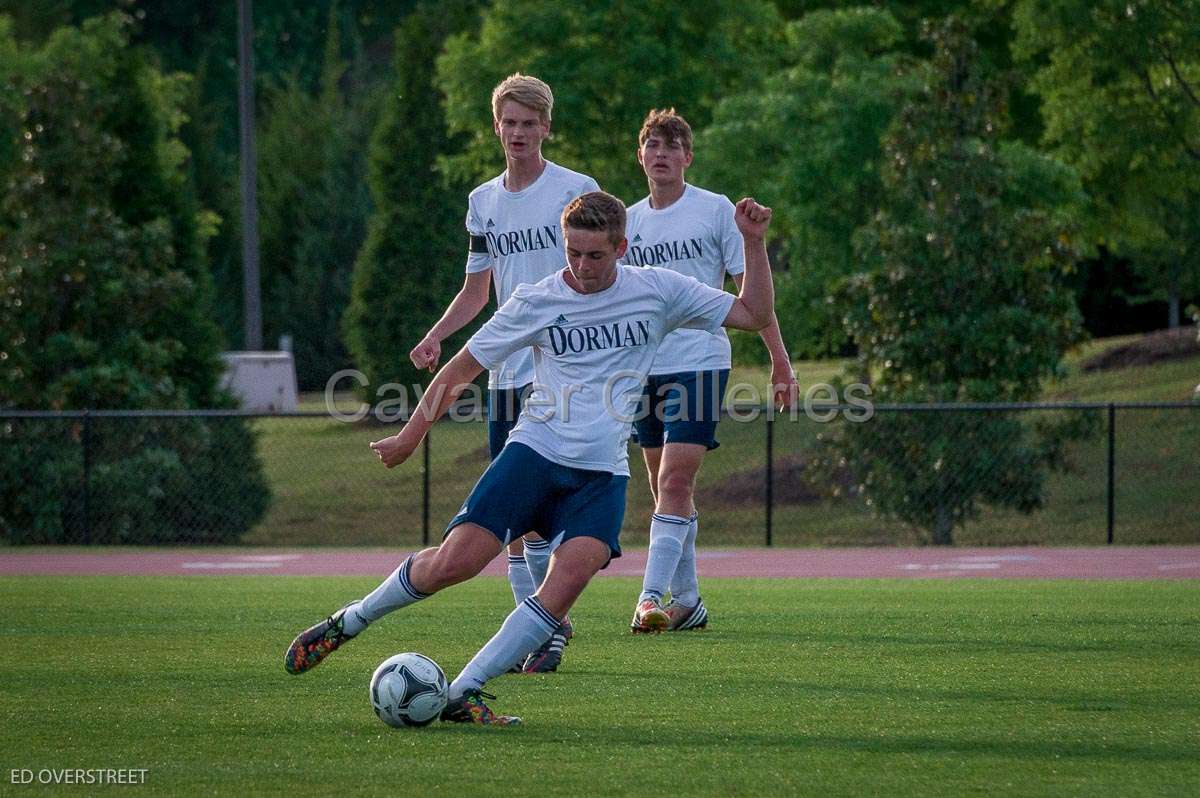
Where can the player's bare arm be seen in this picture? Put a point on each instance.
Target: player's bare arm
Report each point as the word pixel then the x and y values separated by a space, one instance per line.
pixel 784 388
pixel 446 387
pixel 755 304
pixel 471 298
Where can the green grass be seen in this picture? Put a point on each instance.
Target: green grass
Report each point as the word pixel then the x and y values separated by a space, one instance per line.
pixel 820 688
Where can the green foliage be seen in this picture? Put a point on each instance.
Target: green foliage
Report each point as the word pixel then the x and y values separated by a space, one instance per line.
pixel 104 294
pixel 1119 83
pixel 411 263
pixel 608 64
pixel 808 143
pixel 314 208
pixel 961 299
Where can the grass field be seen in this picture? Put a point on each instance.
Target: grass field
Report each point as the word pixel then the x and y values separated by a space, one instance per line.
pixel 822 688
pixel 328 488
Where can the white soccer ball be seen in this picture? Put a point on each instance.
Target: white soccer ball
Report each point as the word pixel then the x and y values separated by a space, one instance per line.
pixel 408 690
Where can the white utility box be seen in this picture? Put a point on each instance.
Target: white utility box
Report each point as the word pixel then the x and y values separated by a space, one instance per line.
pixel 263 382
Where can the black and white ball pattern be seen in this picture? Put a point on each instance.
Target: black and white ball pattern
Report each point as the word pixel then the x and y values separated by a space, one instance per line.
pixel 408 690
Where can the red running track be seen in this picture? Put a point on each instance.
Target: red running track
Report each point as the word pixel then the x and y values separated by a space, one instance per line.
pixel 1106 562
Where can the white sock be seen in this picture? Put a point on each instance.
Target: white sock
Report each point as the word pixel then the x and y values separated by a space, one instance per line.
pixel 537 555
pixel 685 585
pixel 525 628
pixel 519 578
pixel 393 593
pixel 667 533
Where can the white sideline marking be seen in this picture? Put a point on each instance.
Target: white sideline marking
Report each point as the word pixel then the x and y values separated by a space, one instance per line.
pixel 268 557
pixel 998 558
pixel 228 566
pixel 951 566
pixel 1175 566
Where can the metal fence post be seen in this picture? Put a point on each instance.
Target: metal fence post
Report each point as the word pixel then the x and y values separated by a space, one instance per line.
pixel 1112 469
pixel 425 489
pixel 770 493
pixel 87 477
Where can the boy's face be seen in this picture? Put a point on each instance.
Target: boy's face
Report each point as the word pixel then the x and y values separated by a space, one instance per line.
pixel 663 161
pixel 521 130
pixel 592 258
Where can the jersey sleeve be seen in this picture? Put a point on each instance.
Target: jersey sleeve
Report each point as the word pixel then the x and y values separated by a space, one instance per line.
pixel 513 327
pixel 733 252
pixel 589 184
pixel 478 257
pixel 692 304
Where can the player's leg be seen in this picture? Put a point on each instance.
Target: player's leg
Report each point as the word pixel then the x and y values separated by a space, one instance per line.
pixel 548 657
pixel 650 430
pixel 669 527
pixel 462 555
pixel 588 509
pixel 687 610
pixel 507 496
pixel 504 405
pixel 689 431
pixel 537 617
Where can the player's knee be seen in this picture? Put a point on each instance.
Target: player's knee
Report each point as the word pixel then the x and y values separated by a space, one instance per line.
pixel 674 486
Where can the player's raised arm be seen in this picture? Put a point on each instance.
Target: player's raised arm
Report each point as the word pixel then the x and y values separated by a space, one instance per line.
pixel 454 377
pixel 755 304
pixel 469 300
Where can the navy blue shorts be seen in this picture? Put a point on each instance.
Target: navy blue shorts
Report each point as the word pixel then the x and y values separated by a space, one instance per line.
pixel 682 408
pixel 521 491
pixel 504 407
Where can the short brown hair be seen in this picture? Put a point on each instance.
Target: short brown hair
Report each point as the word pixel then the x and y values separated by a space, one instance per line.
pixel 596 210
pixel 669 125
pixel 526 90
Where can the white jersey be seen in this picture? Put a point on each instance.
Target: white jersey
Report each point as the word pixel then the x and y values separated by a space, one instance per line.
pixel 517 235
pixel 696 236
pixel 591 353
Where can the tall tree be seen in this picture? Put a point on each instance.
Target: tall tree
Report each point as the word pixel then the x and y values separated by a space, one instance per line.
pixel 961 299
pixel 314 210
pixel 608 64
pixel 411 263
pixel 808 143
pixel 1119 82
pixel 105 301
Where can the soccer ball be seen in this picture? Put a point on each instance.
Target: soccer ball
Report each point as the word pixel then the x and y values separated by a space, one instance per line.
pixel 408 690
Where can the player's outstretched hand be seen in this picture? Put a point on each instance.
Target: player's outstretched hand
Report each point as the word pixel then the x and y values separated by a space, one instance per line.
pixel 751 218
pixel 426 354
pixel 392 451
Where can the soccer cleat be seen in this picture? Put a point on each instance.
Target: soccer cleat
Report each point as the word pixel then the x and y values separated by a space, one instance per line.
pixel 469 708
pixel 684 617
pixel 547 658
pixel 316 643
pixel 649 617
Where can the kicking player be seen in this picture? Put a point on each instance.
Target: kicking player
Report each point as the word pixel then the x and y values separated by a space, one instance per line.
pixel 691 231
pixel 594 328
pixel 513 221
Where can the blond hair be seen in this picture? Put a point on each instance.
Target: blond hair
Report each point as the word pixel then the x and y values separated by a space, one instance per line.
pixel 667 124
pixel 526 90
pixel 596 210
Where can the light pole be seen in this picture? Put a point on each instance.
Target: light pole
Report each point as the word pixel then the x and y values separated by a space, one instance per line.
pixel 251 290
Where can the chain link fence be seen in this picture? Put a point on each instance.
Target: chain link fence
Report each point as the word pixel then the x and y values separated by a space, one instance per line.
pixel 1054 474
